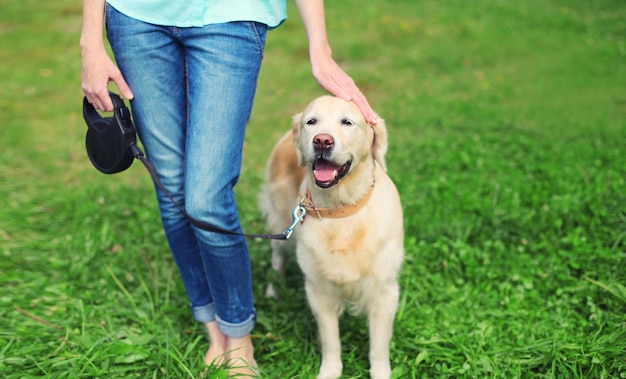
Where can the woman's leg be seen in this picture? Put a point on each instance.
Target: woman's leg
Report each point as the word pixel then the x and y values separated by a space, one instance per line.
pixel 223 66
pixel 153 63
pixel 193 95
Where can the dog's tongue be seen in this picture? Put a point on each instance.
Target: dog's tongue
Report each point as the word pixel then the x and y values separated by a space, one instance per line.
pixel 325 171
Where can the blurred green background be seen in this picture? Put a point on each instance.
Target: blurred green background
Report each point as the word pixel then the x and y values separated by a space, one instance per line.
pixel 507 143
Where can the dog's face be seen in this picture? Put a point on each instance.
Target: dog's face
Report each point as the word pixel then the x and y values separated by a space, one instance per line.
pixel 332 137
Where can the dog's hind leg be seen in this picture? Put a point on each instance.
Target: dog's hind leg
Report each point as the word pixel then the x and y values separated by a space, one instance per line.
pixel 280 252
pixel 381 314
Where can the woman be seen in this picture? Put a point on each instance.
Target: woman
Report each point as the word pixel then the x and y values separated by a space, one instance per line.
pixel 190 69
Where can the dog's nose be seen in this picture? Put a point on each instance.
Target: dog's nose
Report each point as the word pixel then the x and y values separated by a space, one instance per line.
pixel 323 141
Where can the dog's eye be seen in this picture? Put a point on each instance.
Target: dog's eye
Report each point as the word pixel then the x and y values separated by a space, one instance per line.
pixel 347 122
pixel 311 121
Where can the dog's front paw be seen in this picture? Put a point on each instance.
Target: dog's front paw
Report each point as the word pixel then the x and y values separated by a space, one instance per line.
pixel 380 370
pixel 330 370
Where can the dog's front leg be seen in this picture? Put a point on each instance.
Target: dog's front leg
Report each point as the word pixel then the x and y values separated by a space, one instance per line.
pixel 326 308
pixel 381 313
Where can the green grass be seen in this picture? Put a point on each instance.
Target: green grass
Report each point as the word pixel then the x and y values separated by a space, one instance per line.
pixel 507 143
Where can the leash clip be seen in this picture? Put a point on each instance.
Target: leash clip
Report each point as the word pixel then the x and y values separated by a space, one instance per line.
pixel 297 215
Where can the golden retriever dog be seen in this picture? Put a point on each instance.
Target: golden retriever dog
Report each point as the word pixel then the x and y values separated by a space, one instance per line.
pixel 350 244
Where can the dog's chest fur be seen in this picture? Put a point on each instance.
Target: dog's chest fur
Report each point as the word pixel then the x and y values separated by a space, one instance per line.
pixel 337 251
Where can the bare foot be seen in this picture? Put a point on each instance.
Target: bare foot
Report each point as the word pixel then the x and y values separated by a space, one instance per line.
pixel 216 355
pixel 241 358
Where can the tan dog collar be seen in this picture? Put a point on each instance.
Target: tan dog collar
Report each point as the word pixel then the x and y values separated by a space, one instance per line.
pixel 345 211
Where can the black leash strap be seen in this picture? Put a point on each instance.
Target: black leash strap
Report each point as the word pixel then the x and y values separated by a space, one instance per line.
pixel 197 223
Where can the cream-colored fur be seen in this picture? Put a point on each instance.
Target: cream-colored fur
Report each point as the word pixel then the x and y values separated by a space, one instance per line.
pixel 352 260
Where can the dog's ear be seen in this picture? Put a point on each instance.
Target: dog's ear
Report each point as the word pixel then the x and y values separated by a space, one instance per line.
pixel 295 134
pixel 379 146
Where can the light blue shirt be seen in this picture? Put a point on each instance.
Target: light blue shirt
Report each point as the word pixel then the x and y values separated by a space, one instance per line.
pixel 185 13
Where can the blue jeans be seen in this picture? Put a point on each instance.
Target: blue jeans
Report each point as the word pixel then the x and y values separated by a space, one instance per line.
pixel 194 89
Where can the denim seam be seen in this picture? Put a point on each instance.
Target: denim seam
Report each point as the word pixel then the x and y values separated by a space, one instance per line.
pixel 107 12
pixel 257 37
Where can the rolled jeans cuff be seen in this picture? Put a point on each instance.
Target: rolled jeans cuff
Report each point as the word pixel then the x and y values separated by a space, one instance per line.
pixel 237 330
pixel 205 313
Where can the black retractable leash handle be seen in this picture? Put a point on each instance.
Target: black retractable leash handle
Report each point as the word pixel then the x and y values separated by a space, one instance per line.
pixel 111 145
pixel 108 139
